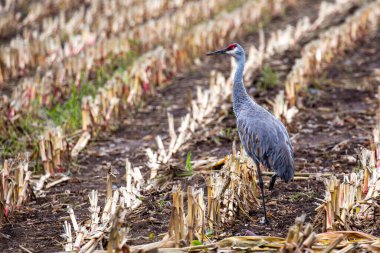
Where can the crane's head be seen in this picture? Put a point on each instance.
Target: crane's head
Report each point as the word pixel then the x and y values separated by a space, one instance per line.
pixel 234 50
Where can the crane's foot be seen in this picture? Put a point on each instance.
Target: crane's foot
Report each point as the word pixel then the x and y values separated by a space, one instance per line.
pixel 264 221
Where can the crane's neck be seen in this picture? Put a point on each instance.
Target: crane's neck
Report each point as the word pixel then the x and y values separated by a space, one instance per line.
pixel 240 94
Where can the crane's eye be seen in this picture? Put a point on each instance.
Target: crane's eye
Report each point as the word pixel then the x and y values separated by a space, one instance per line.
pixel 231 47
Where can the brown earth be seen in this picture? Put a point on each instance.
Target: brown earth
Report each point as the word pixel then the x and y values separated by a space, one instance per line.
pixel 339 108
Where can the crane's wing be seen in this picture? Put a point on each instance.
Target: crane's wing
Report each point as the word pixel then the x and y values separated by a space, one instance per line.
pixel 257 138
pixel 266 140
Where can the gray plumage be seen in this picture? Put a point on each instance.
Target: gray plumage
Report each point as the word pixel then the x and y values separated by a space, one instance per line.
pixel 264 137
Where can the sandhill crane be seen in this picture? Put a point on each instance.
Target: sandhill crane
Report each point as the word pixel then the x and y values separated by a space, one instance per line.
pixel 264 138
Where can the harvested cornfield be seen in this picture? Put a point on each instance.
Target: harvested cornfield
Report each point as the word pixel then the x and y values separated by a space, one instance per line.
pixel 118 133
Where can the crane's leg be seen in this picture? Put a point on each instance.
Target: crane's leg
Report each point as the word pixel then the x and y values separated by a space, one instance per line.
pixel 272 181
pixel 261 184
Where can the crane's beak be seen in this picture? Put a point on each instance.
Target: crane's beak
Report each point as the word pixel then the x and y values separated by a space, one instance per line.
pixel 221 51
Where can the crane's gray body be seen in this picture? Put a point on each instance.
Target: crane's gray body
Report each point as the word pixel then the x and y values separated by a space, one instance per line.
pixel 263 136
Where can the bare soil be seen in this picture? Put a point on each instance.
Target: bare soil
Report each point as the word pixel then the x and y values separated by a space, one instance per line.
pixel 337 118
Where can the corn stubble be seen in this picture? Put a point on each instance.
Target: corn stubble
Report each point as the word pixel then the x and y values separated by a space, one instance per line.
pixel 15 185
pixel 108 223
pixel 84 54
pixel 318 54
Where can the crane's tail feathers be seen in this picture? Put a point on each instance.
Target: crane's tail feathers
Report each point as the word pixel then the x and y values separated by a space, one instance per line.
pixel 288 175
pixel 284 165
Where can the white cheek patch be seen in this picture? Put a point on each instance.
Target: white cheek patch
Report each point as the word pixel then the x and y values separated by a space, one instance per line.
pixel 233 51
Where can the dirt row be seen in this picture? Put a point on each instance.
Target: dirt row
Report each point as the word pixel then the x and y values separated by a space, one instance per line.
pixel 336 111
